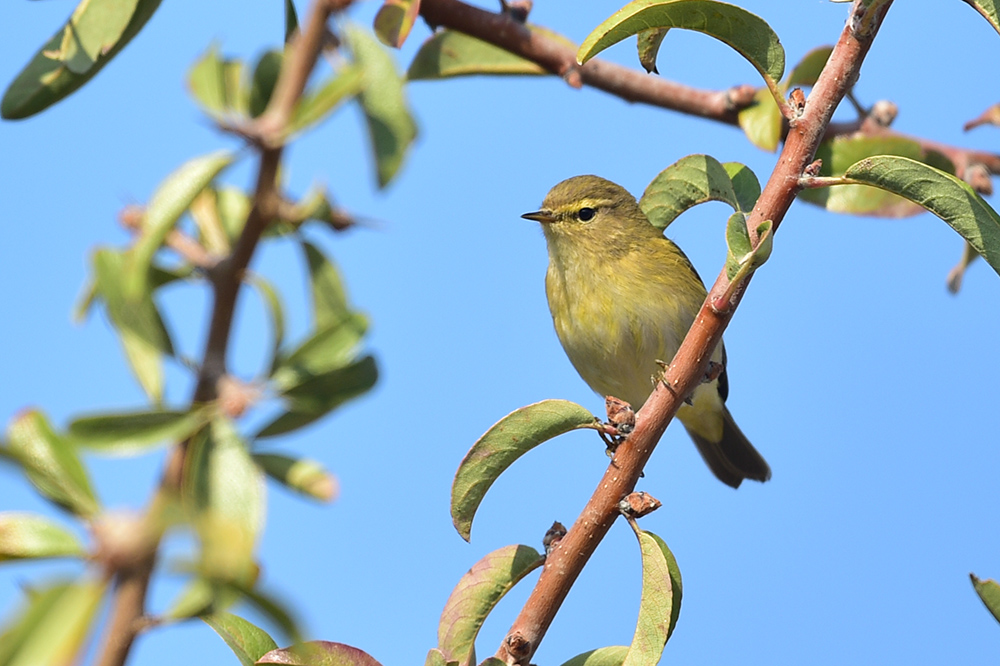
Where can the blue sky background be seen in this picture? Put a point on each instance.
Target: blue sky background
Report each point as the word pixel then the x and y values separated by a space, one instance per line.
pixel 870 390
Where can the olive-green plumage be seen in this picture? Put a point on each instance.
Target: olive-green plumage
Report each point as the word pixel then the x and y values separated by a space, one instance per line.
pixel 622 297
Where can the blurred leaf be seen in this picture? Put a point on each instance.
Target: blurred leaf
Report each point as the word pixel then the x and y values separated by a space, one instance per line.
pixel 508 439
pixel 224 488
pixel 606 656
pixel 318 395
pixel 762 122
pixel 272 609
pixel 207 82
pixel 687 182
pixel 989 592
pixel 748 34
pixel 329 300
pixel 143 333
pixel 275 315
pixel 171 199
pixel 51 627
pixel 318 103
pixel 304 476
pixel 649 46
pixel 51 463
pixel 394 20
pixel 327 349
pixel 291 20
pixel 990 116
pixel 449 53
pixel 842 152
pixel 48 79
pixel 989 10
pixel 746 187
pixel 234 208
pixel 265 76
pixel 660 604
pixel 318 653
pixel 390 126
pixel 27 536
pixel 476 594
pixel 205 213
pixel 130 433
pixel 948 197
pixel 808 69
pixel 247 641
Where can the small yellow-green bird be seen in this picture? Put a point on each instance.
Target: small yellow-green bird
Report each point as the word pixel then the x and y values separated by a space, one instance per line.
pixel 622 297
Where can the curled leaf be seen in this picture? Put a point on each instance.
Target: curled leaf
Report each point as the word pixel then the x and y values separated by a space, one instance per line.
pixel 508 439
pixel 476 594
pixel 687 182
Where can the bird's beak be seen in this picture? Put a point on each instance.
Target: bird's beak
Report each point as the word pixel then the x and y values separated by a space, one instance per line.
pixel 543 216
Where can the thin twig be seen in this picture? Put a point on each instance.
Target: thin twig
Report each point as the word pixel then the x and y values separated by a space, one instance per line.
pixel 568 558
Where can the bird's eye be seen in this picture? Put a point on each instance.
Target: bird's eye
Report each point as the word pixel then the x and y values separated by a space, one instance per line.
pixel 586 214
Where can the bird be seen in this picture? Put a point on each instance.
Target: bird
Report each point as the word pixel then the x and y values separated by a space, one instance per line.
pixel 622 298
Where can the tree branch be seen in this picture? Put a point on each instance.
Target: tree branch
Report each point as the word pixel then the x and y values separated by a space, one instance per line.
pixel 132 580
pixel 688 367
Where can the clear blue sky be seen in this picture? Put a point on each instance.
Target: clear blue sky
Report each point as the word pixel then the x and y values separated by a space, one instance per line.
pixel 871 391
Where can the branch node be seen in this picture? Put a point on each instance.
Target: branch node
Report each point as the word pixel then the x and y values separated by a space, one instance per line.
pixel 553 536
pixel 812 169
pixel 517 647
pixel 638 504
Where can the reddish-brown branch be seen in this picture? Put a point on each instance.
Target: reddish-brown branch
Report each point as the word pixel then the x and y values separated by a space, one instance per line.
pixel 567 559
pixel 132 581
pixel 635 86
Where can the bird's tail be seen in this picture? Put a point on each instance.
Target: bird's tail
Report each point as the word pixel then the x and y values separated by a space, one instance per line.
pixel 732 458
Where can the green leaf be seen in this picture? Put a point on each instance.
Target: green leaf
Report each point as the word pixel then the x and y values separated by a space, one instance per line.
pixel 989 10
pixel 51 626
pixel 130 433
pixel 329 300
pixel 394 20
pixel 275 315
pixel 449 53
pixel 51 463
pixel 762 122
pixel 265 76
pixel 329 348
pixel 234 208
pixel 747 33
pixel 660 604
pixel 140 327
pixel 687 182
pixel 224 488
pixel 842 152
pixel 742 258
pixel 808 69
pixel 171 199
pixel 48 78
pixel 476 594
pixel 304 476
pixel 508 439
pixel 435 657
pixel 648 43
pixel 746 187
pixel 291 20
pixel 272 609
pixel 207 83
pixel 989 592
pixel 318 653
pixel 948 197
pixel 390 126
pixel 316 396
pixel 27 536
pixel 606 656
pixel 247 641
pixel 317 104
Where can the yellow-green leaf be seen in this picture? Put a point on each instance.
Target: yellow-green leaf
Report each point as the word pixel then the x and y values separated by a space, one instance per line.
pixel 613 655
pixel 508 439
pixel 318 653
pixel 51 463
pixel 304 476
pixel 394 20
pixel 989 593
pixel 449 53
pixel 27 536
pixel 129 433
pixel 247 641
pixel 989 9
pixel 476 594
pixel 687 182
pixel 762 121
pixel 808 69
pixel 660 604
pixel 317 104
pixel 747 33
